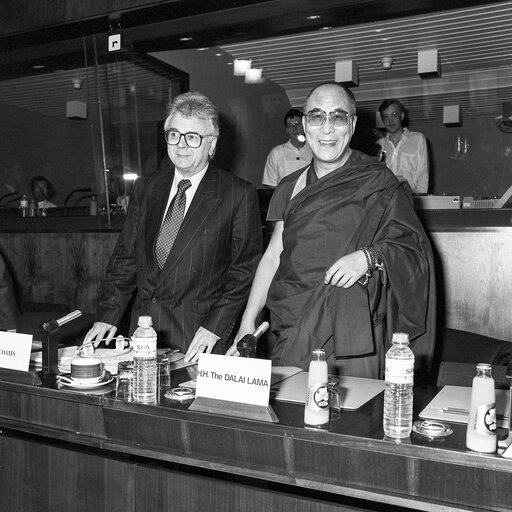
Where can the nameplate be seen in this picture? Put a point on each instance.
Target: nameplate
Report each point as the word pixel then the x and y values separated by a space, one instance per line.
pixel 15 350
pixel 234 379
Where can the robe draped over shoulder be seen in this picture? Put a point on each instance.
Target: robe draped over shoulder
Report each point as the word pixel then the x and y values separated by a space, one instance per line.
pixel 359 204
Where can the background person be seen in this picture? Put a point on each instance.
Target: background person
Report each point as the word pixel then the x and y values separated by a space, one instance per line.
pixel 42 192
pixel 196 292
pixel 406 152
pixel 348 262
pixel 290 156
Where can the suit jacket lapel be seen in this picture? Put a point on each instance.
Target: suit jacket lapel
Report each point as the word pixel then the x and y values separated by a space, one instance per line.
pixel 206 199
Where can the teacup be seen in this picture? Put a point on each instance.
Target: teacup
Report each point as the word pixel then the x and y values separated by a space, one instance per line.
pixel 86 369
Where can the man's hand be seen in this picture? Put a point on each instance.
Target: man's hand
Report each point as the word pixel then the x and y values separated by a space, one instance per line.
pixel 203 341
pixel 347 270
pixel 98 332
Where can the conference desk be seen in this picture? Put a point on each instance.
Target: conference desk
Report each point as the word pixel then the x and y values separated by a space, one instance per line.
pixel 69 451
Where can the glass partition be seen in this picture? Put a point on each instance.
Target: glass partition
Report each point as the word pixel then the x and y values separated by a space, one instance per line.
pixel 87 120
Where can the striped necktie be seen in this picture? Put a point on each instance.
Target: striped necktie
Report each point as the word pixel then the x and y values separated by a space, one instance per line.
pixel 171 224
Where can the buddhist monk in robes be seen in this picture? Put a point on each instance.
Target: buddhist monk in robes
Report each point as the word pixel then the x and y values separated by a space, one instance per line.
pixel 348 263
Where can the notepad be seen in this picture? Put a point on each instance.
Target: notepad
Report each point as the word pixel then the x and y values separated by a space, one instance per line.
pixel 355 391
pixel 452 403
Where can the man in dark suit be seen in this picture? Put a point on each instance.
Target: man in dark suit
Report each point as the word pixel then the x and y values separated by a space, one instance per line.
pixel 194 278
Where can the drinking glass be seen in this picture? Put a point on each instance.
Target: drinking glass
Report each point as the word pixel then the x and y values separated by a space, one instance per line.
pixel 124 387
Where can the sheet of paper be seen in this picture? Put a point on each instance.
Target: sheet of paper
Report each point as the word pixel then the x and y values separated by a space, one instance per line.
pixel 355 391
pixel 452 403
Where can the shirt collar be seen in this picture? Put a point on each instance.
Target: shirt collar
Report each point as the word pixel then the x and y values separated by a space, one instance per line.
pixel 194 180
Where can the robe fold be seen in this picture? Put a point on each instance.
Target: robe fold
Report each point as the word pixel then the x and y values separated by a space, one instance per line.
pixel 359 204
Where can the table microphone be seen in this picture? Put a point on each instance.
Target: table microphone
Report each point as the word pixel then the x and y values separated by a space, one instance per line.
pixel 247 345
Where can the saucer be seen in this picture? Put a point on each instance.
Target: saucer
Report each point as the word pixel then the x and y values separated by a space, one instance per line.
pixel 77 384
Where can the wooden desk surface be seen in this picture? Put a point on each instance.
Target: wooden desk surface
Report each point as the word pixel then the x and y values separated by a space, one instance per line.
pixel 160 449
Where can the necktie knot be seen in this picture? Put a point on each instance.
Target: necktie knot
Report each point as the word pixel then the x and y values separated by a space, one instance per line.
pixel 184 185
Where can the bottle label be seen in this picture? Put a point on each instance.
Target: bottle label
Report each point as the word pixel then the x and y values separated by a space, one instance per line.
pixel 317 397
pixel 485 419
pixel 400 371
pixel 144 347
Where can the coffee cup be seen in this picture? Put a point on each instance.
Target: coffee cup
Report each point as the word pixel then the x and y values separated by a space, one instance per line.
pixel 86 369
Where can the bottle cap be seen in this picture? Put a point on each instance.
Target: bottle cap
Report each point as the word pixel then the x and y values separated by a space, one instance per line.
pixel 145 321
pixel 400 337
pixel 319 354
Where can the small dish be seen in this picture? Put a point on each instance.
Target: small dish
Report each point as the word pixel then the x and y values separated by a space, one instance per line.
pixel 77 384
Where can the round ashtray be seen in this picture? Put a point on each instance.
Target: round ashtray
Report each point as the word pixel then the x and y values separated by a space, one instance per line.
pixel 181 393
pixel 431 428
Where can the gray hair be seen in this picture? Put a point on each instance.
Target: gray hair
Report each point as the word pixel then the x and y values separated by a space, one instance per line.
pixel 195 104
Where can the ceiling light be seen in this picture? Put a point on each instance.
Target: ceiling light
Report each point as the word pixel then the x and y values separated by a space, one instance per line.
pixel 183 39
pixel 428 64
pixel 326 28
pixel 241 66
pixel 202 49
pixel 130 176
pixel 313 17
pixel 347 72
pixel 387 62
pixel 38 66
pixel 253 76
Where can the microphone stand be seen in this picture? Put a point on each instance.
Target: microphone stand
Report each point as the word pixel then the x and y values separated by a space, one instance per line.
pixel 51 347
pixel 70 194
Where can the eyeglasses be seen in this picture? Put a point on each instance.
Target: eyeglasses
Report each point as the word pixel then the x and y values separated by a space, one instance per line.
pixel 317 117
pixel 393 115
pixel 192 139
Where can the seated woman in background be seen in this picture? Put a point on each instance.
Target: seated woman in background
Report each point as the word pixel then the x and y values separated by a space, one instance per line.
pixel 42 192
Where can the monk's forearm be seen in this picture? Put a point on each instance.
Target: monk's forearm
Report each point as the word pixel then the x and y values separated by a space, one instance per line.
pixel 259 290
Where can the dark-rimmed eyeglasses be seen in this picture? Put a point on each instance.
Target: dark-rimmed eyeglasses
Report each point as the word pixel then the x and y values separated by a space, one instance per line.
pixel 317 117
pixel 393 115
pixel 192 139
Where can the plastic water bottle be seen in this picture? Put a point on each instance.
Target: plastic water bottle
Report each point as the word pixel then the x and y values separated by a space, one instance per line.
pixel 32 208
pixel 481 432
pixel 144 362
pixel 93 206
pixel 24 206
pixel 398 396
pixel 316 409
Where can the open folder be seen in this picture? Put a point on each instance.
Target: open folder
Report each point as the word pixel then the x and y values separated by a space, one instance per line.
pixel 452 403
pixel 354 391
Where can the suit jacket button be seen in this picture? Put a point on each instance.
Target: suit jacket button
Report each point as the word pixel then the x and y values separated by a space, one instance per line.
pixel 154 300
pixel 194 269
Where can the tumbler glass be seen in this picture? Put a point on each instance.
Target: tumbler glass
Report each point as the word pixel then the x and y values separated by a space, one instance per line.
pixel 333 386
pixel 124 387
